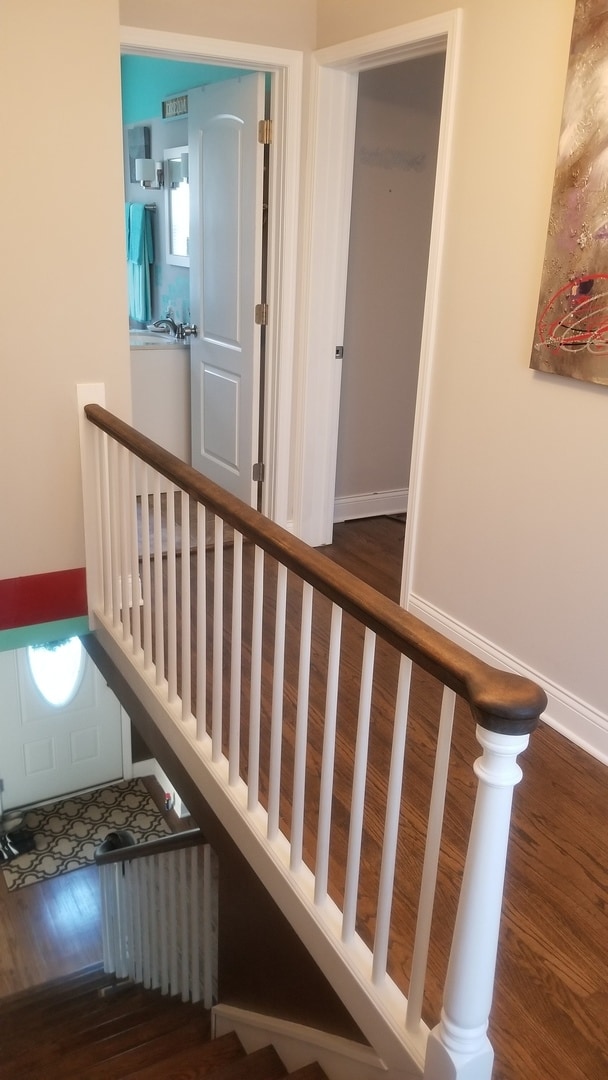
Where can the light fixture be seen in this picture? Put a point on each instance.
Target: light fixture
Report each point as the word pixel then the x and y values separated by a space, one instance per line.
pixel 149 173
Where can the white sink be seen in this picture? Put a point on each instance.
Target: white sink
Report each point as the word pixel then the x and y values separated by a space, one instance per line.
pixel 138 338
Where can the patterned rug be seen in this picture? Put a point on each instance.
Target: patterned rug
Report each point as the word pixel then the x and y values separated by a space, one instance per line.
pixel 66 833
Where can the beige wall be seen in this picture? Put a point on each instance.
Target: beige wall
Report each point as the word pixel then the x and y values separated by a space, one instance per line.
pixel 287 24
pixel 63 270
pixel 516 473
pixel 515 479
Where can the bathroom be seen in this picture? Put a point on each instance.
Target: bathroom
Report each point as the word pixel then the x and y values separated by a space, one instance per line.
pixel 155 142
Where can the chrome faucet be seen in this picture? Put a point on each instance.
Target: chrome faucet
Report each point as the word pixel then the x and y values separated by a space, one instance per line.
pixel 167 324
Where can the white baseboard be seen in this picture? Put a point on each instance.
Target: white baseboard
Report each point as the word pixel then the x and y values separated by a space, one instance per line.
pixel 370 504
pixel 150 767
pixel 580 722
pixel 298 1045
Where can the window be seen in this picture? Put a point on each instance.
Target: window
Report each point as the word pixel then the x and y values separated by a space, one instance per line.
pixel 57 669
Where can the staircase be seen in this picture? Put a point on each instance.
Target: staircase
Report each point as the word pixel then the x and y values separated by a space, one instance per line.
pixel 87 1027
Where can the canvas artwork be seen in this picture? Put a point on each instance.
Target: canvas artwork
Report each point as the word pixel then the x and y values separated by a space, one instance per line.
pixel 571 333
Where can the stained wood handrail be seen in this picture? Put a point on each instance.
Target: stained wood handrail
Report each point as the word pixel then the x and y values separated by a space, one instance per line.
pixel 500 701
pixel 173 842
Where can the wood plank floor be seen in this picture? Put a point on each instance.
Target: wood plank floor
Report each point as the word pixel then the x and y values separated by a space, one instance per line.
pixel 550 1014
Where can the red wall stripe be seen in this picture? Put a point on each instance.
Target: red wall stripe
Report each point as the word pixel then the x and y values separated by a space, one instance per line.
pixel 41 598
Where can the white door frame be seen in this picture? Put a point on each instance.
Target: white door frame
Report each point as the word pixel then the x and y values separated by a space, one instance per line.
pixel 285 65
pixel 334 80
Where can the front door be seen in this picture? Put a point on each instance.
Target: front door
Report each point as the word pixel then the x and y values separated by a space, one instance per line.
pixel 60 728
pixel 226 229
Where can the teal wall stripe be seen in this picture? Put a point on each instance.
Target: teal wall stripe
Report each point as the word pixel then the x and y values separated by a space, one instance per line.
pixel 21 636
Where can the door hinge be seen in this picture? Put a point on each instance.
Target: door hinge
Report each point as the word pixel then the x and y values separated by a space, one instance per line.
pixel 261 314
pixel 258 472
pixel 265 132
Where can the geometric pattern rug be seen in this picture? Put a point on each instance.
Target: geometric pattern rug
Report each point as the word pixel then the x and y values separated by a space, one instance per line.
pixel 66 833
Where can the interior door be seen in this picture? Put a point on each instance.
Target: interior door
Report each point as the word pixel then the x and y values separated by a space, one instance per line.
pixel 49 750
pixel 226 218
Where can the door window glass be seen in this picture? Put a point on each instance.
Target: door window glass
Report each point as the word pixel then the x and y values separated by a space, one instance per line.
pixel 57 669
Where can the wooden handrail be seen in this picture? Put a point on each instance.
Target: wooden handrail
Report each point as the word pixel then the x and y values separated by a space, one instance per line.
pixel 500 701
pixel 173 842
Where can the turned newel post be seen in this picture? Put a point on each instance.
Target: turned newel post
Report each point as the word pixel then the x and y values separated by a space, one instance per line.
pixel 458 1048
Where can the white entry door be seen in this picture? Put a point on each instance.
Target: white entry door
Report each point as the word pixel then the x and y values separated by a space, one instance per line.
pixel 226 226
pixel 48 750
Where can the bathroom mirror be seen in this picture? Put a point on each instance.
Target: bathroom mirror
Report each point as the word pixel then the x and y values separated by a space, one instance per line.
pixel 177 205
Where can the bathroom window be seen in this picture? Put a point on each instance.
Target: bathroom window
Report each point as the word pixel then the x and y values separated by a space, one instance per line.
pixel 57 669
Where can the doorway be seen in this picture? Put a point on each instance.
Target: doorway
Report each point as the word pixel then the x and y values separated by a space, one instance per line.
pixel 395 157
pixel 284 67
pixel 334 89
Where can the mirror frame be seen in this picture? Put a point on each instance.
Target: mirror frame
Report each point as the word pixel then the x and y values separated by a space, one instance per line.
pixel 168 154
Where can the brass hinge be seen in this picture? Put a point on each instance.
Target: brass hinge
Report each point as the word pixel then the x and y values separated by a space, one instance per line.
pixel 265 132
pixel 261 314
pixel 258 472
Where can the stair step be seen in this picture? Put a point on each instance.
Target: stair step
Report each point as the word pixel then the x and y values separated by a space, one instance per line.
pixel 57 990
pixel 198 1061
pixel 264 1064
pixel 116 1058
pixel 308 1072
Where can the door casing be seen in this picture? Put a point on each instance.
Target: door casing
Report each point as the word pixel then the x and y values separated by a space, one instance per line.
pixel 285 67
pixel 328 187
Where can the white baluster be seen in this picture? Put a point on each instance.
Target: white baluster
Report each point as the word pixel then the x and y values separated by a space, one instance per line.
pixel 299 767
pixel 458 1048
pixel 196 869
pixel 134 554
pixel 171 599
pixel 124 525
pixel 186 941
pixel 276 721
pixel 201 622
pixel 353 859
pixel 218 640
pixel 431 861
pixel 255 694
pixel 186 610
pixel 114 513
pixel 391 823
pixel 164 936
pixel 146 566
pixel 173 935
pixel 235 660
pixel 329 753
pixel 159 605
pixel 106 539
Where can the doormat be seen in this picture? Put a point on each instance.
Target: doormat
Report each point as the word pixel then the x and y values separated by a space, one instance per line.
pixel 67 833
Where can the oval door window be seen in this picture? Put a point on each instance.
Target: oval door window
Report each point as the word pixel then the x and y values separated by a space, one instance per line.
pixel 57 669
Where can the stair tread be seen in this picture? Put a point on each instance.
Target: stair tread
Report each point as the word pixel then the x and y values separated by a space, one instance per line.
pixel 117 1061
pixel 308 1072
pixel 68 986
pixel 264 1064
pixel 197 1061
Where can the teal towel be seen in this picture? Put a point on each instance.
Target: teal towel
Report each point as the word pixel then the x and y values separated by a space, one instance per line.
pixel 140 255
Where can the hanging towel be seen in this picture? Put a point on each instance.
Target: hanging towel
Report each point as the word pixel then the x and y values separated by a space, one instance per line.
pixel 140 256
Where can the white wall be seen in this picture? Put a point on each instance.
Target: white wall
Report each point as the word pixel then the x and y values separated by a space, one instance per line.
pixel 398 112
pixel 511 535
pixel 290 25
pixel 63 267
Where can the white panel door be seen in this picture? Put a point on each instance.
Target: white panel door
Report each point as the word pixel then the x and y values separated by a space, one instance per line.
pixel 226 185
pixel 47 751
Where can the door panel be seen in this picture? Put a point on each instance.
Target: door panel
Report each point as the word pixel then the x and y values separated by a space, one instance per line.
pixel 47 751
pixel 226 181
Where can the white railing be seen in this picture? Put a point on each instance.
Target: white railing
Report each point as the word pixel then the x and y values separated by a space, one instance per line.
pixel 271 672
pixel 159 916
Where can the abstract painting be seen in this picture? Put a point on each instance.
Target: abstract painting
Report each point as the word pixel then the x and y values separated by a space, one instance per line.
pixel 571 333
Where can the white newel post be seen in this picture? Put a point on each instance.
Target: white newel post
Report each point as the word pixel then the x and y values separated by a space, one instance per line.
pixel 458 1048
pixel 90 394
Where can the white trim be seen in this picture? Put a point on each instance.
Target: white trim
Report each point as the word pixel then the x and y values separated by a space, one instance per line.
pixel 378 1009
pixel 574 718
pixel 297 1045
pixel 327 215
pixel 286 67
pixel 371 504
pixel 127 756
pixel 150 767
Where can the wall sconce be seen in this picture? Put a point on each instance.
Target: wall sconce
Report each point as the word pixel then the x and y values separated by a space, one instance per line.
pixel 149 173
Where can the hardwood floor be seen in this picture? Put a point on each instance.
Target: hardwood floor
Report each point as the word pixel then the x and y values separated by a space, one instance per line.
pixel 550 1014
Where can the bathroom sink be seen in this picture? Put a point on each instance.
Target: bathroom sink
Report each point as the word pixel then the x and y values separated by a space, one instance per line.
pixel 150 337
